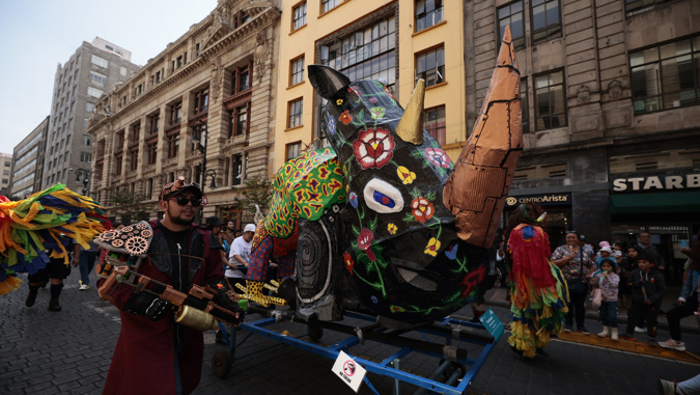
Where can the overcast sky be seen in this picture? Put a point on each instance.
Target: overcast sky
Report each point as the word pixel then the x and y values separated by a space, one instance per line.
pixel 36 35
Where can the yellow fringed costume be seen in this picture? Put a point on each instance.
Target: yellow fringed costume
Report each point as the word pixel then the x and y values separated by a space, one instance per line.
pixel 30 230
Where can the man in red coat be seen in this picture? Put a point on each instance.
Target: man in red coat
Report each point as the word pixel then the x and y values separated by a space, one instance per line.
pixel 154 355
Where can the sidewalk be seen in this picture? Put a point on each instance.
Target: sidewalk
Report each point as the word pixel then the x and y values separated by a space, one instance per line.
pixel 690 325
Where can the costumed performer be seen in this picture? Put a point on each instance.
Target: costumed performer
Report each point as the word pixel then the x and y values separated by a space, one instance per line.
pixel 155 355
pixel 36 229
pixel 539 297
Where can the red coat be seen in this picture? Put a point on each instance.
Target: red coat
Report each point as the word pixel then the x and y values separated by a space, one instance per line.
pixel 143 360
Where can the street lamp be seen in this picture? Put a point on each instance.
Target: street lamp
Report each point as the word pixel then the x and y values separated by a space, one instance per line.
pixel 84 176
pixel 199 128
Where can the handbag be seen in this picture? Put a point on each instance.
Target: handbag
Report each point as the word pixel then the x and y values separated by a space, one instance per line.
pixel 597 298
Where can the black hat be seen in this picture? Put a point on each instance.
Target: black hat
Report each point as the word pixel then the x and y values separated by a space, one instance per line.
pixel 643 254
pixel 211 222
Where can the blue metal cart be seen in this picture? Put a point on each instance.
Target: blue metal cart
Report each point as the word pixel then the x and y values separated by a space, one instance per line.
pixel 459 347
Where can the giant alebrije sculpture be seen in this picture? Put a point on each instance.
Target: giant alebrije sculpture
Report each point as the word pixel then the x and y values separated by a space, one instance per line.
pixel 411 239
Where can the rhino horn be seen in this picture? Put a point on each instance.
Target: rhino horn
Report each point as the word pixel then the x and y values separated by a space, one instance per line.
pixel 410 127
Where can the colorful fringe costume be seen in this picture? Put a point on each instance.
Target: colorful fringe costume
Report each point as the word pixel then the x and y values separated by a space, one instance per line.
pixel 539 297
pixel 30 230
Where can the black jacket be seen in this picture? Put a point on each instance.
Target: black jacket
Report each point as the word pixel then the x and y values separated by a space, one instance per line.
pixel 645 286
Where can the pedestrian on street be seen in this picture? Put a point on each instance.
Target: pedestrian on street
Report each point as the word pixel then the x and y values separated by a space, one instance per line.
pixel 648 287
pixel 87 262
pixel 688 302
pixel 56 270
pixel 538 296
pixel 607 281
pixel 575 262
pixel 687 387
pixel 154 355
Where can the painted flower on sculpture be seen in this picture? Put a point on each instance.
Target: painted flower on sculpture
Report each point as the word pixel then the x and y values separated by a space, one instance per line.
pixel 373 148
pixel 438 157
pixel 396 309
pixel 406 175
pixel 422 209
pixel 349 263
pixel 339 102
pixel 364 241
pixel 373 100
pixel 392 228
pixel 331 125
pixel 345 117
pixel 432 247
pixel 355 90
pixel 353 199
pixel 377 112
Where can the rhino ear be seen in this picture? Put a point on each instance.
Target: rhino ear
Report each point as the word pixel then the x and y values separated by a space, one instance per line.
pixel 326 81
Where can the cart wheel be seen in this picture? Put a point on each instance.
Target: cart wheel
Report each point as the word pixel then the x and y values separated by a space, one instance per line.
pixel 221 363
pixel 315 331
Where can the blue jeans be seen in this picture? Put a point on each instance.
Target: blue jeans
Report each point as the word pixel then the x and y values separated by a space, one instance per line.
pixel 87 261
pixel 608 313
pixel 690 386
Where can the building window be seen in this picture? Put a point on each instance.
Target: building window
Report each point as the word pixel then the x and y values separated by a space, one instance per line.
pixel 175 113
pixel 666 76
pixel 295 109
pixel 525 119
pixel 122 71
pixel 296 71
pixel 513 15
pixel 236 170
pixel 135 132
pixel 243 79
pixel 293 150
pixel 431 66
pixel 118 165
pixel 134 159
pixel 428 13
pixel 85 157
pixel 152 153
pixel 98 78
pixel 201 101
pixel 94 92
pixel 89 107
pixel 434 123
pixel 367 53
pixel 299 16
pixel 546 22
pixel 173 145
pixel 98 61
pixel 179 62
pixel 550 103
pixel 157 76
pixel 327 5
pixel 241 120
pixel 153 123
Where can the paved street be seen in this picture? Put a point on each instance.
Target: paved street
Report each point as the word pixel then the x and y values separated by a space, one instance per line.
pixel 69 353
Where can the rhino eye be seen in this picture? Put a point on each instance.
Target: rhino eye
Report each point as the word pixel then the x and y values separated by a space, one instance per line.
pixel 383 197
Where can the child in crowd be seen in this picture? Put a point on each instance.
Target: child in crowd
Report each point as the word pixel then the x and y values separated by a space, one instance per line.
pixel 607 281
pixel 605 253
pixel 648 288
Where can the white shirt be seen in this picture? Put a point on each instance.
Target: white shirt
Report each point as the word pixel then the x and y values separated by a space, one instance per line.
pixel 242 248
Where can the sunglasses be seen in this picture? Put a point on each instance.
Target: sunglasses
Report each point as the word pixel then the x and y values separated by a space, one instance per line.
pixel 182 201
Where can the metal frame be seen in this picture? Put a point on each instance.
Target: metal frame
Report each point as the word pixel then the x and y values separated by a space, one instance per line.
pixel 451 329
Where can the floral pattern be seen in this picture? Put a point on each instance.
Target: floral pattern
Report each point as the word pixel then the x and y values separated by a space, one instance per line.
pixel 374 148
pixel 377 112
pixel 422 209
pixel 406 176
pixel 364 241
pixel 339 102
pixel 353 199
pixel 345 117
pixel 392 228
pixel 433 247
pixel 438 157
pixel 349 263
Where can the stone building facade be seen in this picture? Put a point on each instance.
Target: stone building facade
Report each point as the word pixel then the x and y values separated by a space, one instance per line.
pixel 6 169
pixel 28 162
pixel 91 71
pixel 610 94
pixel 218 81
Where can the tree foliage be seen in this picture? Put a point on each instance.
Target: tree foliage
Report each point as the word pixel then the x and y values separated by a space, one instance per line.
pixel 130 207
pixel 258 191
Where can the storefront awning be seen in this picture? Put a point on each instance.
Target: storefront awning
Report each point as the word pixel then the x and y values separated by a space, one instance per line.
pixel 655 202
